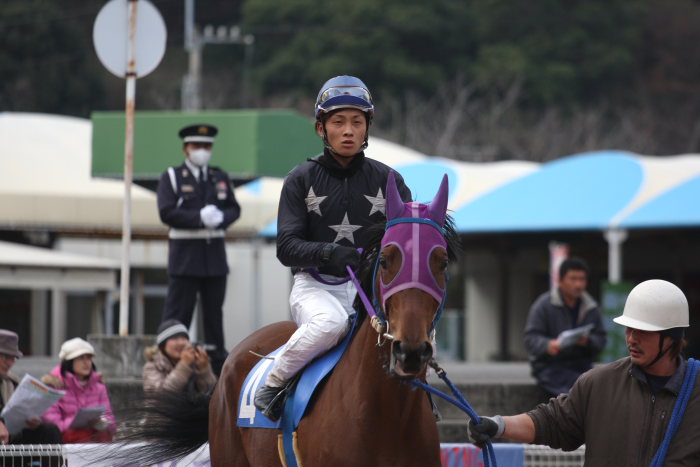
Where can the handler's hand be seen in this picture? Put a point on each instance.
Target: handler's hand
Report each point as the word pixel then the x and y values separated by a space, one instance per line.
pixel 553 347
pixel 487 429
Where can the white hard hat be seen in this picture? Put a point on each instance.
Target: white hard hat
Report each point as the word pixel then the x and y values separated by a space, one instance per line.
pixel 655 305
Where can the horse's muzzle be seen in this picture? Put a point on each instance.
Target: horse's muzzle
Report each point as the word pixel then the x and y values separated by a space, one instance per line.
pixel 408 362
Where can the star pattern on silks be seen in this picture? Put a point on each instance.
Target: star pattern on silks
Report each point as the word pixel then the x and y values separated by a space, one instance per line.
pixel 345 230
pixel 313 202
pixel 378 202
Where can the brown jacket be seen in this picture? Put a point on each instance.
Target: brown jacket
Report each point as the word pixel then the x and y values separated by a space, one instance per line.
pixel 612 410
pixel 159 373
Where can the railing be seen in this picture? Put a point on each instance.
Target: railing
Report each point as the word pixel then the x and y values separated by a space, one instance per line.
pixel 453 455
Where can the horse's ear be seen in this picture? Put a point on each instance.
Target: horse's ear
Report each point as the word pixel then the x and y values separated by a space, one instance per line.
pixel 394 203
pixel 437 209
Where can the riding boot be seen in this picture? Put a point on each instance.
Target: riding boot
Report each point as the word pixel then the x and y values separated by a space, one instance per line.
pixel 269 400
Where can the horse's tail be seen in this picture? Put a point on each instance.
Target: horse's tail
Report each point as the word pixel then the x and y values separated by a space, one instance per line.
pixel 172 424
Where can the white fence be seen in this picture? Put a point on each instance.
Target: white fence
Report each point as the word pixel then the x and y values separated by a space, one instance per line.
pixel 95 455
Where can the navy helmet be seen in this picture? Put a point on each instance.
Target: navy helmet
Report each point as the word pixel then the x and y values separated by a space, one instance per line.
pixel 344 92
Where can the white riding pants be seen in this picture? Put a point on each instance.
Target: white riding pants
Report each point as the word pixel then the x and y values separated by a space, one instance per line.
pixel 321 312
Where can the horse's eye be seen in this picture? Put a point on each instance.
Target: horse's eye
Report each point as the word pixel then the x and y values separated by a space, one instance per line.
pixel 382 261
pixel 443 266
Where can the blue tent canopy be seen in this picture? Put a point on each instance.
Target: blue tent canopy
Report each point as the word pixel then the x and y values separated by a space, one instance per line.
pixel 578 192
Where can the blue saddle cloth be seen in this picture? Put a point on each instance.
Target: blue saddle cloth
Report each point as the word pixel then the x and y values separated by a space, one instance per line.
pixel 298 400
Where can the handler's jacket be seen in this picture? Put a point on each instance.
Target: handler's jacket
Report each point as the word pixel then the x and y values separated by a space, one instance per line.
pixel 195 250
pixel 612 410
pixel 323 202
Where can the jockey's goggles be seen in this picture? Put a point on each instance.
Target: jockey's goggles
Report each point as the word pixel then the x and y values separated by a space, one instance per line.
pixel 339 97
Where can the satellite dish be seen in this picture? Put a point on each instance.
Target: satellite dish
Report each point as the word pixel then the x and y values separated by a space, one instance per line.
pixel 110 35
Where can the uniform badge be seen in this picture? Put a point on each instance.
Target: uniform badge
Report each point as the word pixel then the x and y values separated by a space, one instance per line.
pixel 185 172
pixel 221 190
pixel 187 188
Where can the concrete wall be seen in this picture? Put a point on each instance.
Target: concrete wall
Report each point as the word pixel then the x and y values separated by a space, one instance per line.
pixel 482 288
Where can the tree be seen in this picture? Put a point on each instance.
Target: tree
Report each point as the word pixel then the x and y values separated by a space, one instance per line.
pixel 45 64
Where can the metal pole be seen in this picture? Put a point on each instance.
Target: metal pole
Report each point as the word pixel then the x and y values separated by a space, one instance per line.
pixel 615 239
pixel 128 170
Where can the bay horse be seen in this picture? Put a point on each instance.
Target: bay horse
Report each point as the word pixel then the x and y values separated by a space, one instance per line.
pixel 366 413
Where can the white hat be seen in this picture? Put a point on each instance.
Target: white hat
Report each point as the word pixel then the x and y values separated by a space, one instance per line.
pixel 74 348
pixel 655 305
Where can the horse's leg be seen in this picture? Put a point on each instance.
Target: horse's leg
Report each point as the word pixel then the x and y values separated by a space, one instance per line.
pixel 228 444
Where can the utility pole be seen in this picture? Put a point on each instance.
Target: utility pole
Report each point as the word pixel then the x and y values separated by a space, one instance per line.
pixel 195 42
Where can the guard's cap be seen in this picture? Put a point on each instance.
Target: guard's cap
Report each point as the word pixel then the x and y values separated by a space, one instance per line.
pixel 200 133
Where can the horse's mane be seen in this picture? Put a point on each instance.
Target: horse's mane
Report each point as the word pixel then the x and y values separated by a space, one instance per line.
pixel 374 236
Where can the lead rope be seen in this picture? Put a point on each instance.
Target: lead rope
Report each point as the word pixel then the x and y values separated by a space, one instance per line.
pixel 460 402
pixel 691 373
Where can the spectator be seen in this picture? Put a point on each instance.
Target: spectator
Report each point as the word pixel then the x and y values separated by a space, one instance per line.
pixel 567 306
pixel 175 364
pixel 77 375
pixel 624 411
pixel 38 431
pixel 197 202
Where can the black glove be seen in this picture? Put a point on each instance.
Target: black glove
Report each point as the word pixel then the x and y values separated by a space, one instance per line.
pixel 490 427
pixel 342 256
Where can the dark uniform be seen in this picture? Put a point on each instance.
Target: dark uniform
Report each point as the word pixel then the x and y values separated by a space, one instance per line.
pixel 197 256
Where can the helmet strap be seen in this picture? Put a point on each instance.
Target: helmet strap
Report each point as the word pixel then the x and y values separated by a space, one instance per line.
pixel 662 351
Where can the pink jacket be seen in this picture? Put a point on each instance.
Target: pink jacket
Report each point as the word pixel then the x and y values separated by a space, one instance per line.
pixel 77 396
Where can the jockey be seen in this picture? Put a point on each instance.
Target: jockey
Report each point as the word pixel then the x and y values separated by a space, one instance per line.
pixel 326 204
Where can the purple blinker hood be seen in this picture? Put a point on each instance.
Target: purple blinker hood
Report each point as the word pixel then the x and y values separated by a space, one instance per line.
pixel 416 230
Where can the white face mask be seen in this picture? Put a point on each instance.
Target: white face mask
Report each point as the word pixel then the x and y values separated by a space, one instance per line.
pixel 200 157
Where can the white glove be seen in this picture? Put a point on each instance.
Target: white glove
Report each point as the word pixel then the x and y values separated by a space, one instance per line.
pixel 211 216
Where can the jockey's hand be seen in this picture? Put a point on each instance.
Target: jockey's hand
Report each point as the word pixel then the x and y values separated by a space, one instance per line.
pixel 487 429
pixel 342 256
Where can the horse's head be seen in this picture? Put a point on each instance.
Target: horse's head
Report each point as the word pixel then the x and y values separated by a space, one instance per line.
pixel 411 276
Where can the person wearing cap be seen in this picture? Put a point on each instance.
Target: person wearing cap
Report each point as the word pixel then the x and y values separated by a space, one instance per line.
pixel 37 431
pixel 624 411
pixel 175 364
pixel 78 377
pixel 326 205
pixel 197 202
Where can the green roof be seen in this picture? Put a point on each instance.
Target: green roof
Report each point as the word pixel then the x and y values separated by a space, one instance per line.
pixel 250 143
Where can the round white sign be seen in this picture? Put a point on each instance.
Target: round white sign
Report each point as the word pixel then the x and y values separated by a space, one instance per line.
pixel 110 35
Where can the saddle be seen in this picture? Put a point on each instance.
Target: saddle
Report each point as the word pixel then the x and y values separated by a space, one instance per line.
pixel 295 396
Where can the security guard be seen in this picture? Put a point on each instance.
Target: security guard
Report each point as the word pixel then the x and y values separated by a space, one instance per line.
pixel 198 204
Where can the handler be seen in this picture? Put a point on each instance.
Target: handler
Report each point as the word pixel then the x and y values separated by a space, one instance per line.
pixel 621 410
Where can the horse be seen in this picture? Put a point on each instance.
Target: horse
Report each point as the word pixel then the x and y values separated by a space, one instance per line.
pixel 366 413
